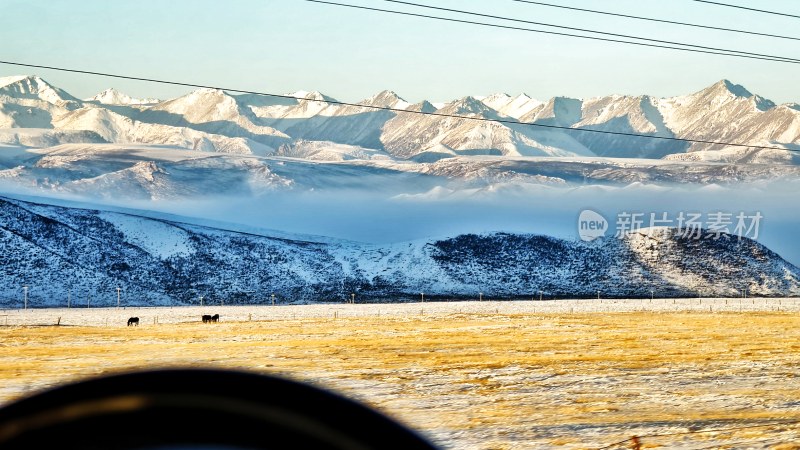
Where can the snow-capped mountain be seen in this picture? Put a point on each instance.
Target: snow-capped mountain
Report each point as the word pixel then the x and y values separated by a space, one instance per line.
pixel 112 96
pixel 721 112
pixel 89 253
pixel 552 145
pixel 31 102
pixel 34 88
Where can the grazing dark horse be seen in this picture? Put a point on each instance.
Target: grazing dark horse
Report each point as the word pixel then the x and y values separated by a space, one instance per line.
pixel 206 318
pixel 215 318
pixel 133 321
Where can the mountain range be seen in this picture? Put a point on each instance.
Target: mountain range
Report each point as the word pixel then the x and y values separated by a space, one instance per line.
pixel 214 120
pixel 112 144
pixel 85 254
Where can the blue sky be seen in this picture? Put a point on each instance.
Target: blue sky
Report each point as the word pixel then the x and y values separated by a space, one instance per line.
pixel 286 45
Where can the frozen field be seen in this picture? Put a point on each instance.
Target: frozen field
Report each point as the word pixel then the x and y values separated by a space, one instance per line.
pixel 689 373
pixel 83 316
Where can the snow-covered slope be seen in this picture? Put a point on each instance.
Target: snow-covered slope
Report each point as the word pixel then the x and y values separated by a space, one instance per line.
pixel 43 138
pixel 353 125
pixel 212 111
pixel 53 249
pixel 635 115
pixel 294 105
pixel 114 127
pixel 124 171
pixel 118 171
pixel 330 151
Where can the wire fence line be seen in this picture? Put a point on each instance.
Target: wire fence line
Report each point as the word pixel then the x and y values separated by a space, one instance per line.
pixel 163 315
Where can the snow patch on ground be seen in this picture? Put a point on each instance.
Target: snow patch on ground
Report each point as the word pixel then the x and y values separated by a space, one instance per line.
pixel 160 239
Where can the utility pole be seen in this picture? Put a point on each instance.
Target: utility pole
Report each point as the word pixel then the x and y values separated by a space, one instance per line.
pixel 273 299
pixel 201 300
pixel 353 298
pixel 540 295
pixel 25 289
pixel 118 290
pixel 422 296
pixel 652 294
pixel 598 295
pixel 480 296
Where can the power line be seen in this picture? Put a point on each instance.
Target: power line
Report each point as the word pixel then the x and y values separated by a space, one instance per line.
pixel 388 108
pixel 747 8
pixel 585 30
pixel 595 38
pixel 651 19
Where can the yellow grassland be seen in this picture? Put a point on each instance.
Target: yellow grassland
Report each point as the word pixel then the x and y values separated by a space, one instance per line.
pixel 482 380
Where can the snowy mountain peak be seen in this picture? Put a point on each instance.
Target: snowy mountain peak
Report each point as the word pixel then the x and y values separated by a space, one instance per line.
pixel 735 89
pixel 208 92
pixel 310 95
pixel 515 107
pixel 386 99
pixel 202 105
pixel 423 106
pixel 725 90
pixel 468 106
pixel 33 87
pixel 496 101
pixel 112 96
pixel 5 81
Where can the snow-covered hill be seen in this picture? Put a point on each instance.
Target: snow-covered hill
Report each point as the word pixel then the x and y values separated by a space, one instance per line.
pixel 138 171
pixel 59 251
